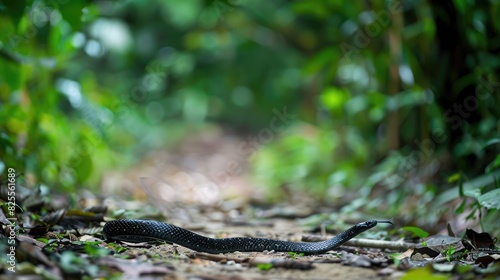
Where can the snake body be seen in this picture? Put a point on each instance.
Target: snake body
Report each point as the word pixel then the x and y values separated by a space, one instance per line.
pixel 146 231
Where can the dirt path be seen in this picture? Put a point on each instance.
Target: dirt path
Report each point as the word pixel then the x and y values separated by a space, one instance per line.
pixel 201 185
pixel 184 263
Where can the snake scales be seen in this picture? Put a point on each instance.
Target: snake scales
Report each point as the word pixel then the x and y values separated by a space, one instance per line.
pixel 147 231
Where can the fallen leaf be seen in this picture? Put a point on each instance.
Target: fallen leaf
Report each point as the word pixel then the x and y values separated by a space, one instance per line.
pixel 480 240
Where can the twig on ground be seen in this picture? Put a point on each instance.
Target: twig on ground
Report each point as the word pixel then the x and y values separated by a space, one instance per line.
pixel 360 242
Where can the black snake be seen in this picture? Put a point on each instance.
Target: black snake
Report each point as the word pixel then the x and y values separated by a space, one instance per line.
pixel 147 231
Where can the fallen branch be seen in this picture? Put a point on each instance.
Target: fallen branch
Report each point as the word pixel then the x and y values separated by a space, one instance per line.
pixel 369 243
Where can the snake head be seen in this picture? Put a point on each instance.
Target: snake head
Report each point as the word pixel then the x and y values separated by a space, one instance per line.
pixel 367 224
pixel 371 223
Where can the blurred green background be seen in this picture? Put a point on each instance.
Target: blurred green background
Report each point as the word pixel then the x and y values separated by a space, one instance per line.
pixel 397 100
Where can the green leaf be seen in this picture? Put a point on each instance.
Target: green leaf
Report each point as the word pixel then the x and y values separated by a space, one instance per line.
pixel 490 199
pixel 474 193
pixel 416 231
pixel 44 240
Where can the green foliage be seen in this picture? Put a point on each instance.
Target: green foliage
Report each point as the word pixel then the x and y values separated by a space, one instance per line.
pixel 304 157
pixel 449 252
pixel 117 248
pixel 396 258
pixel 58 125
pixel 490 200
pixel 295 255
pixel 372 111
pixel 37 137
pixel 443 113
pixel 481 198
pixel 42 239
pixel 95 251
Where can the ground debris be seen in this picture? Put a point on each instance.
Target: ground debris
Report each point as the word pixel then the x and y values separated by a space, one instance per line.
pixel 260 262
pixel 133 268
